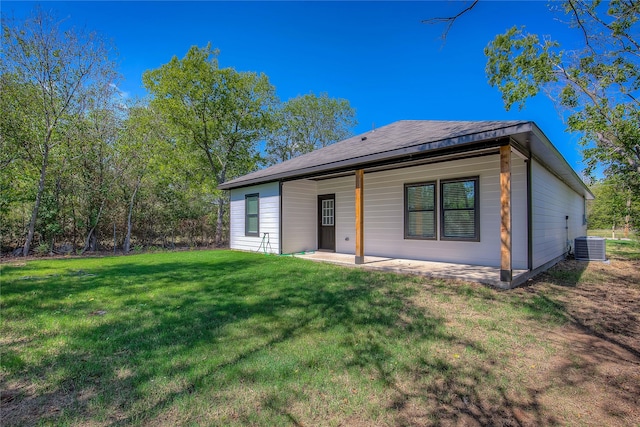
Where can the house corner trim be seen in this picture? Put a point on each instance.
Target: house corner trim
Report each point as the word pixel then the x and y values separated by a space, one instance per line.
pixel 359 258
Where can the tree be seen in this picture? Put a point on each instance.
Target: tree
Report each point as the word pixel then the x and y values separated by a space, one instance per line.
pixel 140 142
pixel 309 122
pixel 60 66
pixel 14 128
pixel 220 114
pixel 94 167
pixel 598 84
pixel 614 206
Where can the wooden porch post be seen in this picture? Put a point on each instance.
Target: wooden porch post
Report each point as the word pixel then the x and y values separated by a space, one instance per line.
pixel 506 273
pixel 359 216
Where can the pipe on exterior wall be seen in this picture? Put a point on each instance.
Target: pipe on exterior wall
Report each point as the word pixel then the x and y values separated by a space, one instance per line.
pixel 280 234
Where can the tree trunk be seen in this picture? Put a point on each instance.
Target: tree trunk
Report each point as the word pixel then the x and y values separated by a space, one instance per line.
pixel 127 240
pixel 627 218
pixel 74 238
pixel 60 222
pixel 91 242
pixel 88 241
pixel 219 222
pixel 36 207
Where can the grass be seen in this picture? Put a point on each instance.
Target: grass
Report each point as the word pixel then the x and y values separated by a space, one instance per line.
pixel 619 234
pixel 230 338
pixel 624 249
pixel 616 248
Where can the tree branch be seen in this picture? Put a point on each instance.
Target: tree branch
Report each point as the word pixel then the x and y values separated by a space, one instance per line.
pixel 581 25
pixel 450 20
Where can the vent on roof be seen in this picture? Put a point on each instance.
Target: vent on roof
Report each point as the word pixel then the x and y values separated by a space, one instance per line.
pixel 590 248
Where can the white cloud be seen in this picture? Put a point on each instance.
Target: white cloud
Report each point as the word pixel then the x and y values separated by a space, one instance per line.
pixel 121 93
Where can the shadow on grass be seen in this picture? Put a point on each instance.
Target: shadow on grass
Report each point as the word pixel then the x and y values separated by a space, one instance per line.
pixel 172 329
pixel 177 337
pixel 623 249
pixel 610 299
pixel 601 351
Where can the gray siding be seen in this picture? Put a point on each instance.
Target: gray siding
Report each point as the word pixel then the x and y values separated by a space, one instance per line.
pixel 269 217
pixel 552 202
pixel 299 216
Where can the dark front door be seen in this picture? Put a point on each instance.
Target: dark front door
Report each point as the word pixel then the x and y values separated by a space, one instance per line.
pixel 326 222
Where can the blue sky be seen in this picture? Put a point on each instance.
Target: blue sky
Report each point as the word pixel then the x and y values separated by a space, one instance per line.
pixel 377 55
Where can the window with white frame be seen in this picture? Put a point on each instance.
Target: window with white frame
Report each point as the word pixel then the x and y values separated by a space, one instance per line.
pixel 327 212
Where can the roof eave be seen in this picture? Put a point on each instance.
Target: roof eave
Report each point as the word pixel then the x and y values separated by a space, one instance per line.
pixel 552 159
pixel 436 146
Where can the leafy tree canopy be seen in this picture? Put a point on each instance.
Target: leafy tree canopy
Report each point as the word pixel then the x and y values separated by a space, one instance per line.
pixel 51 75
pixel 598 84
pixel 615 206
pixel 220 112
pixel 308 122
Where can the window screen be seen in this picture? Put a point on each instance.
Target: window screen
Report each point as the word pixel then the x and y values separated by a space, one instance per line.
pixel 420 211
pixel 459 209
pixel 252 215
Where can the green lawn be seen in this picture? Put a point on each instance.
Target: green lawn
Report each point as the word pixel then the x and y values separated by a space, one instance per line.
pixel 627 249
pixel 230 338
pixel 619 234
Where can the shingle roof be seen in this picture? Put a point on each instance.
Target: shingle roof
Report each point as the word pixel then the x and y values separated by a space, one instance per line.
pixel 413 137
pixel 403 134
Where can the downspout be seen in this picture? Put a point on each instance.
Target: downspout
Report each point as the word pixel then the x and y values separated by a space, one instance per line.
pixel 529 217
pixel 568 242
pixel 280 242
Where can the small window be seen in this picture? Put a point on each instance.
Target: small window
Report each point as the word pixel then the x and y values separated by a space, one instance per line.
pixel 252 215
pixel 459 209
pixel 327 212
pixel 420 211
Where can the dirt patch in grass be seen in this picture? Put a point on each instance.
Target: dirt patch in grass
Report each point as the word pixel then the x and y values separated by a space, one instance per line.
pixel 574 361
pixel 594 376
pixel 604 302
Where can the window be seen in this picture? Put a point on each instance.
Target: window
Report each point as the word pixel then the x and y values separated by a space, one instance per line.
pixel 420 211
pixel 327 212
pixel 459 211
pixel 252 215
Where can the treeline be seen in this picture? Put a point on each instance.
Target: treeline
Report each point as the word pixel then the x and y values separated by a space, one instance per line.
pixel 85 169
pixel 616 207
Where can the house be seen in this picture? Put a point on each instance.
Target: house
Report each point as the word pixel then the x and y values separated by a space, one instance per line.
pixel 481 193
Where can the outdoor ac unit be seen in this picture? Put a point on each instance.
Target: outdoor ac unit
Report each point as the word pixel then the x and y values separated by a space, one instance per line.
pixel 590 248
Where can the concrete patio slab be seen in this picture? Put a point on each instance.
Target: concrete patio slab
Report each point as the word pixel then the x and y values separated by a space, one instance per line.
pixel 443 270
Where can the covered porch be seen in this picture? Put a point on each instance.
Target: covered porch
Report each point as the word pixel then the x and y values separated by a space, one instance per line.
pixel 335 219
pixel 455 197
pixel 441 270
